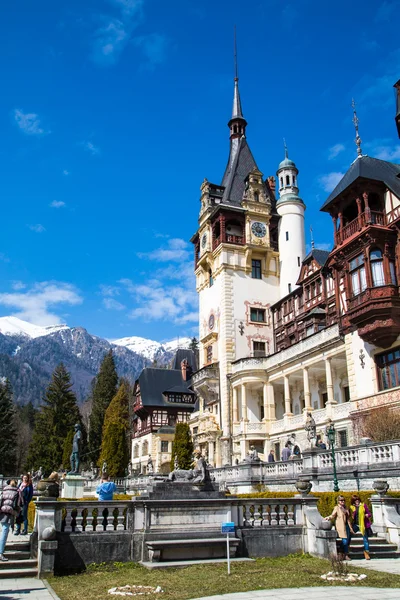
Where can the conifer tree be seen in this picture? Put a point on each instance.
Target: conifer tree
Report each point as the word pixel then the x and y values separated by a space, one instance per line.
pixel 54 422
pixel 104 391
pixel 8 433
pixel 194 344
pixel 182 447
pixel 115 442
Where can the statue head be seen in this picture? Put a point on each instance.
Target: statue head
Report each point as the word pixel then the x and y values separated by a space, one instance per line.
pixel 77 427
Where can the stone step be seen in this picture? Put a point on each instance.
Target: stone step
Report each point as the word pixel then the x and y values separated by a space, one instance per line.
pixel 375 547
pixel 377 555
pixel 11 546
pixel 29 563
pixel 17 573
pixel 17 554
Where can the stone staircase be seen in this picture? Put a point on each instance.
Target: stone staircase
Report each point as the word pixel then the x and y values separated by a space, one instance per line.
pixel 379 548
pixel 20 563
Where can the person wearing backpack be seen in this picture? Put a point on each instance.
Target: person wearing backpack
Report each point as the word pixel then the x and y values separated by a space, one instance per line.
pixel 26 489
pixel 10 506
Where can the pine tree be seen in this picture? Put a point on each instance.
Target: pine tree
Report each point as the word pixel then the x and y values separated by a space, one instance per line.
pixel 115 442
pixel 194 344
pixel 56 419
pixel 182 447
pixel 8 433
pixel 104 391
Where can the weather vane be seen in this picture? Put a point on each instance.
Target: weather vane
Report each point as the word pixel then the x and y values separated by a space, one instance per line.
pixel 355 122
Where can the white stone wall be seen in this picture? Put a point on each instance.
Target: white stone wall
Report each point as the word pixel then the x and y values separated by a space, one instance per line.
pixel 292 250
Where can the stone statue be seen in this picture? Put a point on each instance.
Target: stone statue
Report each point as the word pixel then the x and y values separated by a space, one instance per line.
pixel 37 475
pixel 104 467
pixel 199 474
pixel 252 455
pixel 150 468
pixel 311 429
pixel 176 463
pixel 130 469
pixel 74 458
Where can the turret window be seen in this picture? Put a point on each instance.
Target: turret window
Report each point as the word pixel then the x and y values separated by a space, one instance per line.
pixel 376 259
pixel 287 180
pixel 287 236
pixel 281 182
pixel 294 180
pixel 256 197
pixel 357 274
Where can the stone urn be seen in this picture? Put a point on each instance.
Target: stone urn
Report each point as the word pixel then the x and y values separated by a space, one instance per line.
pixel 381 486
pixel 47 488
pixel 303 486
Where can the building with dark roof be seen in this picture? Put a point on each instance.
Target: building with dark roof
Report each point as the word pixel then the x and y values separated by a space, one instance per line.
pixel 162 398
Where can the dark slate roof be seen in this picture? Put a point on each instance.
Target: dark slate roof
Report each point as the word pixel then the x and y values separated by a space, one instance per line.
pixel 368 168
pixel 236 172
pixel 166 429
pixel 321 256
pixel 154 382
pixel 316 311
pixel 184 354
pixel 180 389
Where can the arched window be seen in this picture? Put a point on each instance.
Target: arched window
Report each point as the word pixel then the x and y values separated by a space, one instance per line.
pixel 376 259
pixel 210 278
pixel 145 448
pixel 256 197
pixel 136 451
pixel 287 180
pixel 393 272
pixel 235 130
pixel 294 180
pixel 281 182
pixel 357 274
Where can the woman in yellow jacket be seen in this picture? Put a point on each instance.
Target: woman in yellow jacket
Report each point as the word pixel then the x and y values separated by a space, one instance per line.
pixel 343 526
pixel 361 521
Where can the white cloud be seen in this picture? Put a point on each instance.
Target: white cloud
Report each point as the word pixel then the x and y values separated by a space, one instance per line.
pixel 65 172
pixel 335 150
pixel 112 304
pixel 18 285
pixel 4 257
pixel 176 250
pixel 386 152
pixel 114 34
pixel 109 290
pixel 154 48
pixel 386 9
pixel 329 181
pixel 29 123
pixel 90 147
pixel 57 204
pixel 38 228
pixel 34 305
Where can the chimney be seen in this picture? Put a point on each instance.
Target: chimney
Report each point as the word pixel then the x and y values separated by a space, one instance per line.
pixel 271 183
pixel 184 369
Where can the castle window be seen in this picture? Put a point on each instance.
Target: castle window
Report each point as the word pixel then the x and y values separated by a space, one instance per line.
pixel 393 273
pixel 145 448
pixel 376 259
pixel 210 278
pixel 343 442
pixel 298 261
pixel 258 348
pixel 287 236
pixel 294 180
pixel 164 446
pixel 357 274
pixel 388 365
pixel 209 354
pixel 257 315
pixel 287 180
pixel 289 287
pixel 256 269
pixel 256 197
pixel 136 451
pixel 281 182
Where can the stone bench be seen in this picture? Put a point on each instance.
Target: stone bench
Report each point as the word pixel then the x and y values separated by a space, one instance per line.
pixel 190 549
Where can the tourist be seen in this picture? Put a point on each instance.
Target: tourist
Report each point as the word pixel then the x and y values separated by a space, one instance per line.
pixel 105 491
pixel 26 489
pixel 343 526
pixel 286 452
pixel 271 456
pixel 10 506
pixel 320 444
pixel 361 521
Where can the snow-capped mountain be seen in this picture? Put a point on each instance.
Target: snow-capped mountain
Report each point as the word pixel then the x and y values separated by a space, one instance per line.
pixel 14 326
pixel 29 354
pixel 149 348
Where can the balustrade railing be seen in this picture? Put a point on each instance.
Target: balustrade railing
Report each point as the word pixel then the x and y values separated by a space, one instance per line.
pixel 94 516
pixel 368 217
pixel 268 513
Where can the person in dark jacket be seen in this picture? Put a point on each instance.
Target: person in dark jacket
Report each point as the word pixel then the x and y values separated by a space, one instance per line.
pixel 271 456
pixel 26 489
pixel 10 506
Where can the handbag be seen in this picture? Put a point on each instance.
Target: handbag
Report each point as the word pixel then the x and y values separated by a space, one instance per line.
pixel 369 532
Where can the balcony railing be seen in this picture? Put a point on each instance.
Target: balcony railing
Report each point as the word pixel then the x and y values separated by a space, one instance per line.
pixel 228 239
pixel 365 219
pixel 393 215
pixel 370 294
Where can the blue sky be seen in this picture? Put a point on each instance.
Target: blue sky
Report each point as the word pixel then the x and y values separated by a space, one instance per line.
pixel 113 111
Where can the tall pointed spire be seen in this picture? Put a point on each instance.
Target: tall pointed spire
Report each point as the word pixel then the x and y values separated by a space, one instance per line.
pixel 237 124
pixel 355 122
pixel 286 150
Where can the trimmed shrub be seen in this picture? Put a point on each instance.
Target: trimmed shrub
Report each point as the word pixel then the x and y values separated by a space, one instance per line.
pixel 182 447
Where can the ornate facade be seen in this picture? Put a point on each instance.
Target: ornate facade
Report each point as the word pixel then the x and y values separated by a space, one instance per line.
pixel 283 334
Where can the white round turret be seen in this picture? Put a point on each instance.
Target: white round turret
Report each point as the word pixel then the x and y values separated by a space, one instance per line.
pixel 291 240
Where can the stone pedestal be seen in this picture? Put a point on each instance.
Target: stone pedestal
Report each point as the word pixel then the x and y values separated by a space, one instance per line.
pixel 72 486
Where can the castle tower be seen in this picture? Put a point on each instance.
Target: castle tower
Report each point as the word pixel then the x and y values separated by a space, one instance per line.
pixel 291 241
pixel 236 269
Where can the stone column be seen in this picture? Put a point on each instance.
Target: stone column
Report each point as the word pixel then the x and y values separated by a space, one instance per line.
pixel 265 402
pixel 329 381
pixel 211 453
pixel 307 393
pixel 271 402
pixel 244 402
pixel 235 405
pixel 288 401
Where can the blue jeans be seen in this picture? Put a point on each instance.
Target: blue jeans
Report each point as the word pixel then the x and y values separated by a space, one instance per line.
pixel 5 528
pixel 345 545
pixel 365 537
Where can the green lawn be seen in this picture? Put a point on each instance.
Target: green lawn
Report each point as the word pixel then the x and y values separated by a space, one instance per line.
pixel 297 570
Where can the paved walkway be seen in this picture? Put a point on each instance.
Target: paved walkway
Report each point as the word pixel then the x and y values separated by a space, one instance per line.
pixel 25 588
pixel 314 593
pixel 387 565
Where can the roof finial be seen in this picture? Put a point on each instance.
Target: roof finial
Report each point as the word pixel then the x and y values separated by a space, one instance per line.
pixel 286 150
pixel 312 238
pixel 355 122
pixel 235 53
pixel 237 106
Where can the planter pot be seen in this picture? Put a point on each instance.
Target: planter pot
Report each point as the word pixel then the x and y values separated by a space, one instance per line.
pixel 381 486
pixel 303 486
pixel 47 488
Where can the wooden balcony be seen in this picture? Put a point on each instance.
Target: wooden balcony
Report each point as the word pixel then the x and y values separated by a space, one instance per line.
pixel 228 239
pixel 365 219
